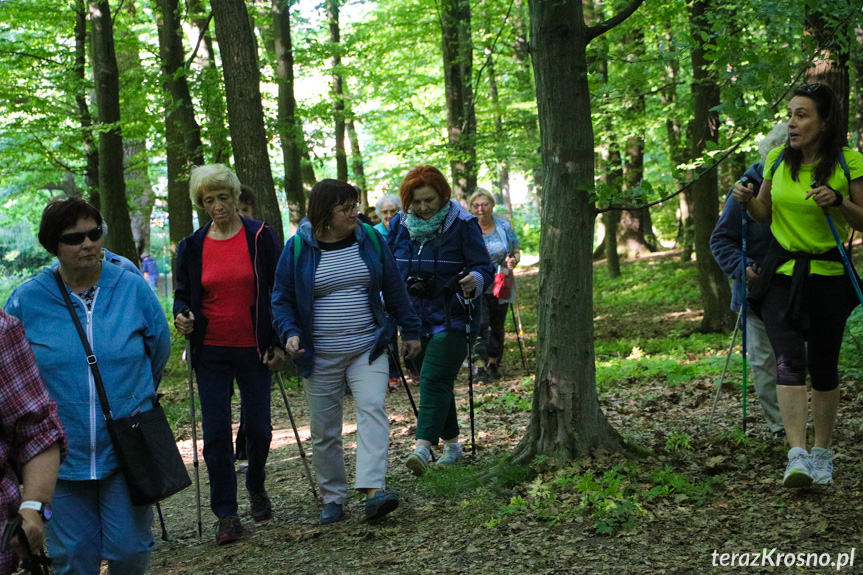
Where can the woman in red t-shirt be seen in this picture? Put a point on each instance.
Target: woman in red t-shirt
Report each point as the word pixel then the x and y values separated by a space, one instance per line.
pixel 225 278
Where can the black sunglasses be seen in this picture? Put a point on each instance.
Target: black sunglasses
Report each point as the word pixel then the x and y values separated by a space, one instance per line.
pixel 810 88
pixel 77 238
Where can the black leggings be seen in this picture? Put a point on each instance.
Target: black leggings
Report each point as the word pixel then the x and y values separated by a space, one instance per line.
pixel 829 307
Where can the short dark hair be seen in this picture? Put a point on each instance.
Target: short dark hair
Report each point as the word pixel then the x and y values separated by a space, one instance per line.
pixel 60 215
pixel 324 197
pixel 247 196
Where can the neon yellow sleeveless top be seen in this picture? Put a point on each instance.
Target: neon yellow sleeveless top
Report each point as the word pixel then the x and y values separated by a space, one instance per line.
pixel 799 224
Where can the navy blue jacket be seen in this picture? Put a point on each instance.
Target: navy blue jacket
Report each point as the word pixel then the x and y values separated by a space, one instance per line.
pixel 726 240
pixel 264 252
pixel 294 295
pixel 459 245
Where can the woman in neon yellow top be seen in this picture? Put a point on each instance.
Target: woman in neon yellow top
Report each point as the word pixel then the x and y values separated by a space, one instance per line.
pixel 802 292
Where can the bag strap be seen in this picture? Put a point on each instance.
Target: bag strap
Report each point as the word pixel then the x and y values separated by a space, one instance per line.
pixel 91 359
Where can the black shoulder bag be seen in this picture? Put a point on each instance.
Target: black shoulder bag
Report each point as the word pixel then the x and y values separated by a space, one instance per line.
pixel 143 442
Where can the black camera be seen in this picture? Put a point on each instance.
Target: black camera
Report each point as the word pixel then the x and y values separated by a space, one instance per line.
pixel 420 285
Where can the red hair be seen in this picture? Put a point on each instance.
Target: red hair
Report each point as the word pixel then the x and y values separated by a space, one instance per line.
pixel 424 176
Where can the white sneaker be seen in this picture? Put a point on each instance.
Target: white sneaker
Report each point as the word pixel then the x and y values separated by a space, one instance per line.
pixel 418 461
pixel 821 461
pixel 452 452
pixel 798 473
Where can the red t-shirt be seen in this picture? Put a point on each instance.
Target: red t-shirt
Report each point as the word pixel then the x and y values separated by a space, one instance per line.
pixel 229 292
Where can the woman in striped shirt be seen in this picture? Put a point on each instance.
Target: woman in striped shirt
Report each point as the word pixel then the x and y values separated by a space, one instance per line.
pixel 337 287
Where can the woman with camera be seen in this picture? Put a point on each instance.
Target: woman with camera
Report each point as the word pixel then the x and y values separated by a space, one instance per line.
pixel 336 287
pixel 441 255
pixel 502 245
pixel 801 292
pixel 93 516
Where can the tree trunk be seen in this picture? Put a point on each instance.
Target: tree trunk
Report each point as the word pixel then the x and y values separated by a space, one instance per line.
pixel 832 45
pixel 461 112
pixel 91 149
pixel 524 76
pixel 566 420
pixel 501 150
pixel 357 163
pixel 182 132
pixel 338 91
pixel 611 167
pixel 245 111
pixel 858 67
pixel 715 291
pixel 112 186
pixel 290 128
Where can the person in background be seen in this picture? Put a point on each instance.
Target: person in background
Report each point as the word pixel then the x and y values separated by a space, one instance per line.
pixel 372 215
pixel 726 245
pixel 802 292
pixel 129 335
pixel 386 208
pixel 441 256
pixel 32 440
pixel 225 274
pixel 338 266
pixel 246 203
pixel 150 269
pixel 503 248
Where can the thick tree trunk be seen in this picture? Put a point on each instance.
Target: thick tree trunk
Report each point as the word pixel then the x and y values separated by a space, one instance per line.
pixel 290 128
pixel 245 111
pixel 715 291
pixel 182 132
pixel 338 90
pixel 357 163
pixel 566 420
pixel 461 112
pixel 112 186
pixel 91 149
pixel 833 46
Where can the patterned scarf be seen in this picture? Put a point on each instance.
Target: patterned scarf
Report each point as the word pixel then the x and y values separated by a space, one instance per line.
pixel 422 230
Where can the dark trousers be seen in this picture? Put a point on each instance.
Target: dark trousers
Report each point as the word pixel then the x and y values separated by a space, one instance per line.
pixel 438 366
pixel 216 373
pixel 815 349
pixel 492 329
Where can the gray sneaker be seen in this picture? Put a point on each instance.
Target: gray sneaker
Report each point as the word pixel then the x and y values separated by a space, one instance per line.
pixel 821 461
pixel 452 452
pixel 418 461
pixel 798 473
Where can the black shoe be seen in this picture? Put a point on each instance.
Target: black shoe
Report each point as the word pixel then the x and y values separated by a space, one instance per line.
pixel 482 376
pixel 229 530
pixel 382 503
pixel 332 513
pixel 262 509
pixel 493 371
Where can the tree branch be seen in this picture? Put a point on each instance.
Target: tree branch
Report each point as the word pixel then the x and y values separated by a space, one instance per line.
pixel 204 29
pixel 603 27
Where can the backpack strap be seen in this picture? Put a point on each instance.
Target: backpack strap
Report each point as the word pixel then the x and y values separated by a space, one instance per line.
pixel 369 230
pixel 842 162
pixel 776 163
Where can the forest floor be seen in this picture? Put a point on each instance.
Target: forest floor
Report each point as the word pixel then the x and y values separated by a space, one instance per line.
pixel 695 494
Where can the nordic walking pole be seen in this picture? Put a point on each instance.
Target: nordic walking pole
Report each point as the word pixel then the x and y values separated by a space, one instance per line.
pixel 520 334
pixel 395 359
pixel 162 523
pixel 520 342
pixel 725 369
pixel 468 305
pixel 743 231
pixel 185 312
pixel 848 267
pixel 281 381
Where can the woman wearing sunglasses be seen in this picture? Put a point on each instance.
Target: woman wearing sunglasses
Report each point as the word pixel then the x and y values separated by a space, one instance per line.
pixel 802 292
pixel 93 517
pixel 225 274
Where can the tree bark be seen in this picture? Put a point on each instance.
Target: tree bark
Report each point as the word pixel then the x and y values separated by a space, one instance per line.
pixel 833 44
pixel 338 90
pixel 712 282
pixel 245 110
pixel 357 163
pixel 290 127
pixel 858 66
pixel 566 420
pixel 91 149
pixel 458 85
pixel 112 186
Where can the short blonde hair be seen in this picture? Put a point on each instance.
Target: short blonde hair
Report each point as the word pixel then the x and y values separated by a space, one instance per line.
pixel 212 177
pixel 481 192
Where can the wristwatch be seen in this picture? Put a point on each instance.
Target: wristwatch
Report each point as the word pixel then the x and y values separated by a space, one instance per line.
pixel 44 509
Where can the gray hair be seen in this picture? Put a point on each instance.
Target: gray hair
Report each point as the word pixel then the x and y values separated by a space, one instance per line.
pixel 212 177
pixel 388 199
pixel 776 138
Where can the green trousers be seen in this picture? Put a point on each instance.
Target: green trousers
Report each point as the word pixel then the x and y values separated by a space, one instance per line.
pixel 438 365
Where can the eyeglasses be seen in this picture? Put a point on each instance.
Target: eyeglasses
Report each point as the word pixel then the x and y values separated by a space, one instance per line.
pixel 77 238
pixel 484 206
pixel 346 210
pixel 810 88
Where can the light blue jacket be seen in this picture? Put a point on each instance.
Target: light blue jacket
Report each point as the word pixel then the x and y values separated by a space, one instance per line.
pixel 129 335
